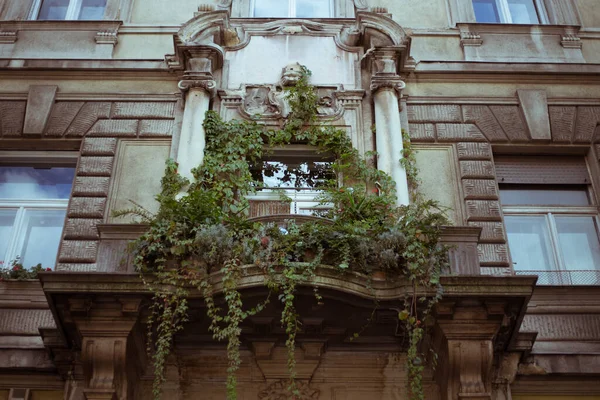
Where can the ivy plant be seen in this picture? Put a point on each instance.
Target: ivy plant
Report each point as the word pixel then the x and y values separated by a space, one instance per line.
pixel 202 228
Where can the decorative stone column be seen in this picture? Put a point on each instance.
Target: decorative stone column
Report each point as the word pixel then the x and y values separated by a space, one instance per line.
pixel 386 89
pixel 198 87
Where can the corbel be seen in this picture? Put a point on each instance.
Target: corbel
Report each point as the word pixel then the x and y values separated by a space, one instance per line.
pixel 470 39
pixel 570 38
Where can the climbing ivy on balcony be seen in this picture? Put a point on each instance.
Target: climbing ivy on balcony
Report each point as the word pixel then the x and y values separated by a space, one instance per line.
pixel 201 230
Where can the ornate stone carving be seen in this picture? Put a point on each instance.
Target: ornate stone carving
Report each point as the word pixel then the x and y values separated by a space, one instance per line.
pixel 209 85
pixel 394 84
pixel 570 39
pixel 279 391
pixel 263 100
pixel 361 5
pixel 290 74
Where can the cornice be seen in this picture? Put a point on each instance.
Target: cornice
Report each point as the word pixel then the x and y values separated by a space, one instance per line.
pixel 22 295
pixel 516 29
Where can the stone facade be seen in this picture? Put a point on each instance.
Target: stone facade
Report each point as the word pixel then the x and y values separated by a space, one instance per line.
pixel 125 93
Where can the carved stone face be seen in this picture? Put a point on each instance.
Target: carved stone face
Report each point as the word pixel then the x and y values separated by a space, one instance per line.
pixel 291 74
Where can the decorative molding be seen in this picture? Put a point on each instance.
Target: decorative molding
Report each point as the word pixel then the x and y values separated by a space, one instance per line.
pixel 570 38
pixel 8 37
pixel 107 37
pixel 470 39
pixel 361 5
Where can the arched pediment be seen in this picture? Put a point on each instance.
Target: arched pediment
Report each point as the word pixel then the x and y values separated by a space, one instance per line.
pixel 366 31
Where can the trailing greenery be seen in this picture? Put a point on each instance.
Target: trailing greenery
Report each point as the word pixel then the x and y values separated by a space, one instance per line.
pixel 202 228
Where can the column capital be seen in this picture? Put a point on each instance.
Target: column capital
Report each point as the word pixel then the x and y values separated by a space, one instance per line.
pixel 198 81
pixel 395 83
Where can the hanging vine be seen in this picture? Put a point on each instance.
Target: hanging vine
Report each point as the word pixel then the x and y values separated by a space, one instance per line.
pixel 201 228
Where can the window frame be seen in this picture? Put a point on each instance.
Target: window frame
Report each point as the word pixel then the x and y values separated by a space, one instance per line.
pixel 302 198
pixel 506 17
pixel 562 275
pixel 66 159
pixel 291 9
pixel 72 14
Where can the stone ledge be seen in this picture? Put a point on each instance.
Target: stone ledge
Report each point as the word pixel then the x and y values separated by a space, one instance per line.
pixel 327 277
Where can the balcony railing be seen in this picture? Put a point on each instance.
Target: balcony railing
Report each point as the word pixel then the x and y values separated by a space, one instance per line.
pixel 576 277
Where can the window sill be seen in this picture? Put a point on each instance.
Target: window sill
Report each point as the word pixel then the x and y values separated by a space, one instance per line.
pixel 521 42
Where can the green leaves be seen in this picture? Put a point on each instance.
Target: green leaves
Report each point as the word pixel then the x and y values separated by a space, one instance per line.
pixel 201 227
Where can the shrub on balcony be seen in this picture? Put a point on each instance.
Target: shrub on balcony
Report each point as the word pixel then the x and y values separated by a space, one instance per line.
pixel 202 228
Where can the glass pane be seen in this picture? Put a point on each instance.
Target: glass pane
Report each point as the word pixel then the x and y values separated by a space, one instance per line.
pixel 313 9
pixel 529 243
pixel 92 9
pixel 35 183
pixel 542 195
pixel 578 240
pixel 523 12
pixel 43 229
pixel 486 11
pixel 271 8
pixel 53 9
pixel 7 220
pixel 306 175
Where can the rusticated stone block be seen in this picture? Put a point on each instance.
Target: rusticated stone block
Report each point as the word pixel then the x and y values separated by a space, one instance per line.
pixel 12 118
pixel 562 123
pixel 78 251
pixel 150 127
pixel 87 117
pixel 151 110
pixel 422 132
pixel 87 267
pixel 483 210
pixel 458 132
pixel 434 113
pixel 95 166
pixel 484 119
pixel 99 147
pixel 491 232
pixel 63 113
pixel 493 254
pixel 477 169
pixel 91 186
pixel 587 120
pixel 82 229
pixel 86 207
pixel 111 128
pixel 565 326
pixel 512 122
pixel 25 322
pixel 483 189
pixel 474 151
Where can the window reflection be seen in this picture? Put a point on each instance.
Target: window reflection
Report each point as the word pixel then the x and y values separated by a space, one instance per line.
pixel 35 183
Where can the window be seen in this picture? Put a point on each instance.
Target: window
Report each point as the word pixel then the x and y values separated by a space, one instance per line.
pixel 33 203
pixel 295 172
pixel 550 217
pixel 507 11
pixel 68 9
pixel 293 8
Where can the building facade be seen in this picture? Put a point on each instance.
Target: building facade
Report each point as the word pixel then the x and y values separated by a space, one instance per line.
pixel 501 99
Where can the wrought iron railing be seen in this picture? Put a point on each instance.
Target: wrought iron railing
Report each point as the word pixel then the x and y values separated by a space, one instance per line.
pixel 577 277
